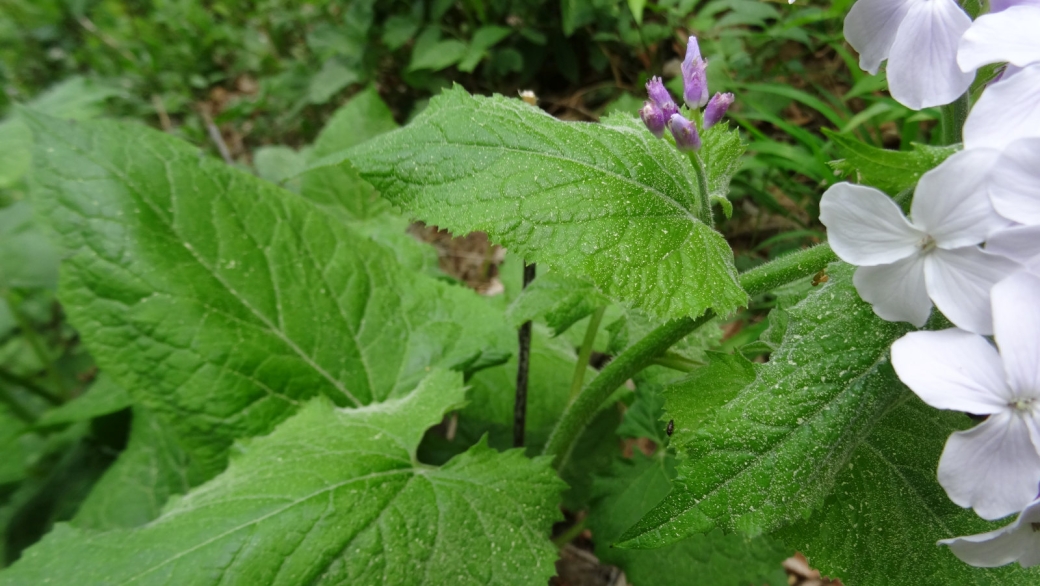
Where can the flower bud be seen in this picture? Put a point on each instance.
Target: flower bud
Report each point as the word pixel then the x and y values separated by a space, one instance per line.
pixel 660 96
pixel 717 109
pixel 685 133
pixel 653 117
pixel 695 79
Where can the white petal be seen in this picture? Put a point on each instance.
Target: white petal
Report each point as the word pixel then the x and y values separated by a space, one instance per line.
pixel 998 5
pixel 922 63
pixel 951 202
pixel 992 467
pixel 952 369
pixel 896 291
pixel 1019 243
pixel 1007 111
pixel 1015 542
pixel 1016 324
pixel 865 227
pixel 1014 183
pixel 1010 35
pixel 870 28
pixel 959 282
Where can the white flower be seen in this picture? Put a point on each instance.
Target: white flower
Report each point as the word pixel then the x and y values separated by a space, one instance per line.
pixel 994 467
pixel 905 266
pixel 919 39
pixel 1010 108
pixel 1014 181
pixel 1019 243
pixel 1018 542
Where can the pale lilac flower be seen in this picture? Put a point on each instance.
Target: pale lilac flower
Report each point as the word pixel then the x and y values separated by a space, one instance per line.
pixel 998 5
pixel 653 118
pixel 994 467
pixel 1014 181
pixel 1019 243
pixel 919 39
pixel 1010 108
pixel 685 133
pixel 659 95
pixel 905 266
pixel 1018 542
pixel 694 74
pixel 716 109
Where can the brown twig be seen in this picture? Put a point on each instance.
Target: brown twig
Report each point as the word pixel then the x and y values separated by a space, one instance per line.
pixel 214 135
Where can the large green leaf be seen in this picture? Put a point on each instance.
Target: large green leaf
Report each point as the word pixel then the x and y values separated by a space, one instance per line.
pixel 608 201
pixel 880 525
pixel 103 397
pixel 334 496
pixel 889 171
pixel 222 302
pixel 133 490
pixel 772 453
pixel 631 488
pixel 27 257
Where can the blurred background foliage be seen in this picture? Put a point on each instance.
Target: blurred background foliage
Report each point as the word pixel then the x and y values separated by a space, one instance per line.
pixel 255 81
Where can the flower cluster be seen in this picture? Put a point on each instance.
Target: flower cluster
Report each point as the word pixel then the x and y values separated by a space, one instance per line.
pixel 660 110
pixel 971 247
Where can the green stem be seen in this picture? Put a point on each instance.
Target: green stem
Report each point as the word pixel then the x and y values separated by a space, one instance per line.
pixel 583 408
pixel 15 407
pixel 953 117
pixel 676 362
pixel 586 351
pixel 702 184
pixel 568 536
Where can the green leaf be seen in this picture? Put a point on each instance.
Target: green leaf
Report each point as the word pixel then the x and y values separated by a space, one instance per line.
pixel 434 54
pixel 603 200
pixel 278 163
pixel 691 402
pixel 483 39
pixel 334 496
pixel 27 257
pixel 222 302
pixel 103 397
pixel 643 417
pixel 12 453
pixel 151 469
pixel 634 325
pixel 889 171
pixel 633 487
pixel 721 149
pixel 333 77
pixel 881 524
pixel 772 453
pixel 363 117
pixel 561 300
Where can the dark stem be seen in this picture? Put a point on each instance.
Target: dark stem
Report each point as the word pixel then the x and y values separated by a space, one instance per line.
pixel 522 368
pixel 30 386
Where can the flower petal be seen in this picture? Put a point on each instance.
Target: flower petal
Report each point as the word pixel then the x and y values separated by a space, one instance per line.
pixel 896 291
pixel 992 467
pixel 951 202
pixel 1016 324
pixel 922 62
pixel 865 227
pixel 1014 181
pixel 959 282
pixel 1015 542
pixel 1019 243
pixel 1007 111
pixel 871 27
pixel 1010 35
pixel 952 369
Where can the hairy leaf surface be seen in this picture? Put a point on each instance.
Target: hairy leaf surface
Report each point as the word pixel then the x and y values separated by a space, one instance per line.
pixel 880 525
pixel 223 302
pixel 608 201
pixel 772 453
pixel 559 299
pixel 889 171
pixel 333 496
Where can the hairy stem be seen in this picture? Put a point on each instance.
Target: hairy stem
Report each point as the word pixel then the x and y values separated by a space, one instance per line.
pixel 583 408
pixel 676 362
pixel 522 368
pixel 702 184
pixel 586 351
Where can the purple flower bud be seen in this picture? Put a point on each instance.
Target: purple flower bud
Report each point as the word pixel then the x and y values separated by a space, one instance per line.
pixel 653 117
pixel 685 133
pixel 717 109
pixel 660 96
pixel 695 80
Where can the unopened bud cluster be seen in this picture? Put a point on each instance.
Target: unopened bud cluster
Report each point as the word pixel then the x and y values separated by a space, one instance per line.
pixel 660 110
